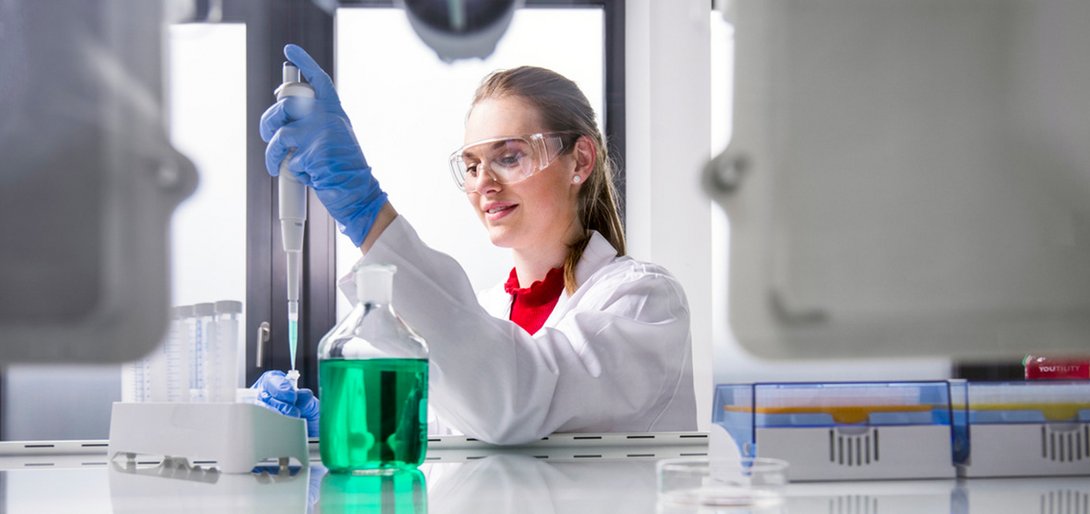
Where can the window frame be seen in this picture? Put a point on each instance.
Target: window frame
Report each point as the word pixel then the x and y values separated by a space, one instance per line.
pixel 269 26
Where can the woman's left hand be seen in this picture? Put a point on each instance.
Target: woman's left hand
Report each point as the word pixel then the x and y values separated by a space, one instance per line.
pixel 274 390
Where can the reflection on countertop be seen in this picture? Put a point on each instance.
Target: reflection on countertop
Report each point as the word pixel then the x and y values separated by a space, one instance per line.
pixel 494 483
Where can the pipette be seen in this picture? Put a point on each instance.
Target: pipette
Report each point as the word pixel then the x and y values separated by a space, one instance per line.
pixel 293 217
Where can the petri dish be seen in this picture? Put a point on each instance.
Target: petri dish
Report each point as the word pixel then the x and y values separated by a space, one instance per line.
pixel 752 484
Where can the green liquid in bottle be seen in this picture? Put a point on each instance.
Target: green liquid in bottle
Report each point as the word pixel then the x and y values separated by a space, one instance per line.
pixel 373 413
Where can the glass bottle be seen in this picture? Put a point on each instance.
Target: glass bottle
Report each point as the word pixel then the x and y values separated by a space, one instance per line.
pixel 373 385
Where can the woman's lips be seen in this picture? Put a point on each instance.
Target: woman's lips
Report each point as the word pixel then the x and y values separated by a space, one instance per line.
pixel 499 211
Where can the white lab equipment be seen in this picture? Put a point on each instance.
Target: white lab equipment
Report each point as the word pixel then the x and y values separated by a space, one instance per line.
pixel 200 359
pixel 1028 429
pixel 192 331
pixel 147 379
pixel 908 178
pixel 842 430
pixel 208 417
pixel 133 386
pixel 233 437
pixel 222 371
pixel 204 331
pixel 179 360
pixel 293 216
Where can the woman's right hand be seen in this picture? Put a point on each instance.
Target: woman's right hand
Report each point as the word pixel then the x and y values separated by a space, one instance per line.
pixel 321 151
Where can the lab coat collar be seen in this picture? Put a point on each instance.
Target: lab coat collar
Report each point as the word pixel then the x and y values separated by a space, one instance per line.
pixel 596 255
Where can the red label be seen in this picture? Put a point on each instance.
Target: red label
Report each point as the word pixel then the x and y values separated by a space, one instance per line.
pixel 1046 368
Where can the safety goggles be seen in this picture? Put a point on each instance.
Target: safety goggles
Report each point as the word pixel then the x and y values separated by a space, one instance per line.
pixel 507 160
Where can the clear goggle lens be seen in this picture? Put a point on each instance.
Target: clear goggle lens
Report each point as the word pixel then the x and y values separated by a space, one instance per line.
pixel 506 160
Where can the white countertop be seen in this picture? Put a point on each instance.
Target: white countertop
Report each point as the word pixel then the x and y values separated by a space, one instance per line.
pixel 593 475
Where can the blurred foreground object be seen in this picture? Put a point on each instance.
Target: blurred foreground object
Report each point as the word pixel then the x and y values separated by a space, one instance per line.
pixel 89 180
pixel 909 178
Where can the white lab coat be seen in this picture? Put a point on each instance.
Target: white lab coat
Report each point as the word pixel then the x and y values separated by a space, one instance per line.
pixel 615 356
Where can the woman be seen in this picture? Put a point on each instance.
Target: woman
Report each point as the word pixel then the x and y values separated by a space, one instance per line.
pixel 580 338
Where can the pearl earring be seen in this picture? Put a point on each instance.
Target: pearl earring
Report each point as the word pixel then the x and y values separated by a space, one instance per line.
pixel 576 179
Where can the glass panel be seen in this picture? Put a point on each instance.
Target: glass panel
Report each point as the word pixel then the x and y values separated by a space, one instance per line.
pixel 207 105
pixel 408 109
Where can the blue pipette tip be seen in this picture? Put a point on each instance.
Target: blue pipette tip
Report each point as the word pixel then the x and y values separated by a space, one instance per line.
pixel 293 339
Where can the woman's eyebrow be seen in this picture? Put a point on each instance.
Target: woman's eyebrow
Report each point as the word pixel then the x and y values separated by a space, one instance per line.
pixel 491 145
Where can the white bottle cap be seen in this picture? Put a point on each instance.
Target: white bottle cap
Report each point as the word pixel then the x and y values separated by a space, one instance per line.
pixel 293 84
pixel 185 311
pixel 204 309
pixel 228 307
pixel 374 283
pixel 290 73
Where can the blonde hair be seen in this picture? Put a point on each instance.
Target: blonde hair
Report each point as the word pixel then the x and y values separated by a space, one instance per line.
pixel 564 108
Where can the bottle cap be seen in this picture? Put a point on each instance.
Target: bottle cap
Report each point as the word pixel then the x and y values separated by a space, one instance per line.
pixel 229 307
pixel 204 309
pixel 289 73
pixel 374 283
pixel 185 311
pixel 293 84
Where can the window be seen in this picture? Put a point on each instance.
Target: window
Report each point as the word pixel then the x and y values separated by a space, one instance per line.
pixel 408 109
pixel 207 112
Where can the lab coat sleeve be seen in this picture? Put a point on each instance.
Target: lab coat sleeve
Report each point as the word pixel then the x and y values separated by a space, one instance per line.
pixel 618 360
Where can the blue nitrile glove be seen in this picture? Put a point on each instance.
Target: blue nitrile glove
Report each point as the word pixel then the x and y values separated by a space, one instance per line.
pixel 326 155
pixel 274 390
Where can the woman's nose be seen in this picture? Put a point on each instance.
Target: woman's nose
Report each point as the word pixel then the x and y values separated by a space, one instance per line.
pixel 486 182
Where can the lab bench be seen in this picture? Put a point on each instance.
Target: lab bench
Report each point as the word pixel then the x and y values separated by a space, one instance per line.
pixel 565 473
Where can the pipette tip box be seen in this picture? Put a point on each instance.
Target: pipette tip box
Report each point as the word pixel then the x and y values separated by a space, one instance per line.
pixel 1027 428
pixel 233 437
pixel 843 431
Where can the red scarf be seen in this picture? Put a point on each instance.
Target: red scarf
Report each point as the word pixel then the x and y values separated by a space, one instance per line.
pixel 531 306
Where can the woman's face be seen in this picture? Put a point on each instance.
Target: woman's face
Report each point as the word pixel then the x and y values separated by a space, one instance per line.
pixel 539 211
